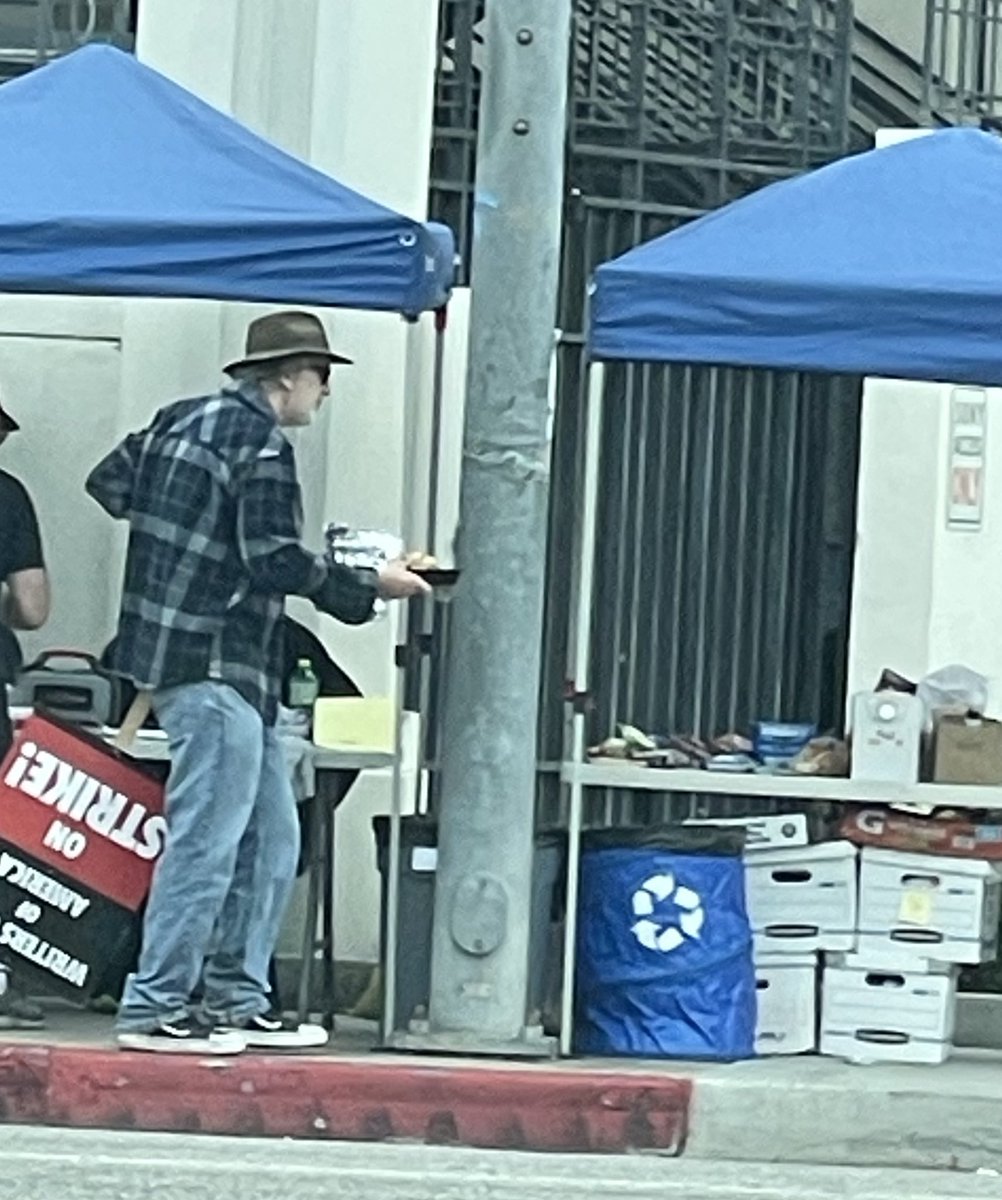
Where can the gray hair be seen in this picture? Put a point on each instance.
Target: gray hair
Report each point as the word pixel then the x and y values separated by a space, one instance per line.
pixel 269 372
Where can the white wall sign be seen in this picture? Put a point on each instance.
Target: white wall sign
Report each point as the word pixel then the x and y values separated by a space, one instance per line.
pixel 968 445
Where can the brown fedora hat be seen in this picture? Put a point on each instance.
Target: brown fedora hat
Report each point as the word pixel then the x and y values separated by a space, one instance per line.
pixel 283 335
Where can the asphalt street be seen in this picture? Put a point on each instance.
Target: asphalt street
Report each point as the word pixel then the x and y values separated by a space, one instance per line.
pixel 62 1164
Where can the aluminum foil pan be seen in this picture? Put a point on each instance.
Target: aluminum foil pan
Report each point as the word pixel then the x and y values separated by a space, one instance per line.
pixel 368 549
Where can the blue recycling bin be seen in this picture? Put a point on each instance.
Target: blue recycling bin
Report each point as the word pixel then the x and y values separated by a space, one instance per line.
pixel 664 947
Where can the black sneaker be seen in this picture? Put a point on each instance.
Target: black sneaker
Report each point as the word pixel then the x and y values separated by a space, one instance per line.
pixel 273 1031
pixel 187 1036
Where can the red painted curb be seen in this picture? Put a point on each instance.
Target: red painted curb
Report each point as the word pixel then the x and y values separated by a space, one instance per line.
pixel 539 1108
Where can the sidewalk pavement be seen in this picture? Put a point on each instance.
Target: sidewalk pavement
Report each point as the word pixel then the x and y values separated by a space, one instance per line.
pixel 796 1110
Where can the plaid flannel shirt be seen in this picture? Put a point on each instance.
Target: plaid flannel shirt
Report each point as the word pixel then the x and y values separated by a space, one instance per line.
pixel 215 524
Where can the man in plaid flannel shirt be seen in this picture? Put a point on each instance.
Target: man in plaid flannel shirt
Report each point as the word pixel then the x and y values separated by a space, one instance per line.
pixel 213 504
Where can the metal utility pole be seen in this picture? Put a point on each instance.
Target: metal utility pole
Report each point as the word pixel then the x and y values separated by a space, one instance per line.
pixel 483 894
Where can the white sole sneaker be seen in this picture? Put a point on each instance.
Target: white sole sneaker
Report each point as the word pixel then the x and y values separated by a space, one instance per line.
pixel 306 1037
pixel 161 1043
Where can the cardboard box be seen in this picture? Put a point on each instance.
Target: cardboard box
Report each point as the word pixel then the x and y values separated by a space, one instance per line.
pixel 967 750
pixel 356 722
pixel 802 900
pixel 888 1015
pixel 946 909
pixel 957 837
pixel 786 990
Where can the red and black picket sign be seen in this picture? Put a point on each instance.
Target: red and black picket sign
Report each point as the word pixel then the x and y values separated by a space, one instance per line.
pixel 81 829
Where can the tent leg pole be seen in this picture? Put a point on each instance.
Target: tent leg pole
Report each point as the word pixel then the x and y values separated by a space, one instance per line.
pixel 580 660
pixel 571 906
pixel 434 466
pixel 396 808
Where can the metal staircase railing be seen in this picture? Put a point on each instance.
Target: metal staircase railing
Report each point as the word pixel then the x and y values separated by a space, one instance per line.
pixel 752 78
pixel 962 71
pixel 33 32
pixel 764 87
pixel 758 78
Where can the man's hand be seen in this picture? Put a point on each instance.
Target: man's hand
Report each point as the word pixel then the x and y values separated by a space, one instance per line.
pixel 396 582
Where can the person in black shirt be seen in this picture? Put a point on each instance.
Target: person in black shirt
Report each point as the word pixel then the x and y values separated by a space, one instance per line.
pixel 24 584
pixel 24 604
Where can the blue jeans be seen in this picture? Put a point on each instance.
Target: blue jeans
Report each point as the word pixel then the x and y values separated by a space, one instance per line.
pixel 221 887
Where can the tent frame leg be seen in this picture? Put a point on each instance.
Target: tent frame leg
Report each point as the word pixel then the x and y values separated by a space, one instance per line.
pixel 580 658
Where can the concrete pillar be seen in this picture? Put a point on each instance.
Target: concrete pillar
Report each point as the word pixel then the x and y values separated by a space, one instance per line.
pixel 925 594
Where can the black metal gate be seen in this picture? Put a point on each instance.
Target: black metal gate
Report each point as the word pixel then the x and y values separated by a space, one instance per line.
pixel 727 496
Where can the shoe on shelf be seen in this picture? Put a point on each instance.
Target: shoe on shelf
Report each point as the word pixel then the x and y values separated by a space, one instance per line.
pixel 273 1031
pixel 18 1012
pixel 188 1036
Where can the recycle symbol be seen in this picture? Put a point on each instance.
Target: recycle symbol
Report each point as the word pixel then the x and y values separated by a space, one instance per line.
pixel 652 930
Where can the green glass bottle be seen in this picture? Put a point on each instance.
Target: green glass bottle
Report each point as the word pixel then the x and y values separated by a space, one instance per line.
pixel 304 687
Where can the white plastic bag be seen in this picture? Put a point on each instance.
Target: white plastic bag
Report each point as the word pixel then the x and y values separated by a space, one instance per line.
pixel 953 687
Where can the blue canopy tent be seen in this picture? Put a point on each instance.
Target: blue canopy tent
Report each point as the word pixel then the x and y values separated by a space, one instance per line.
pixel 117 181
pixel 887 263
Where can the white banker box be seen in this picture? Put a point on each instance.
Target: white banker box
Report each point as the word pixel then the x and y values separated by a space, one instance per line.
pixel 888 1015
pixel 763 833
pixel 945 909
pixel 802 900
pixel 787 991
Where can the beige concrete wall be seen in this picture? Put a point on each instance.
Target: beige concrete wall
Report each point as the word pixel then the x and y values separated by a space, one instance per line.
pixel 925 594
pixel 901 22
